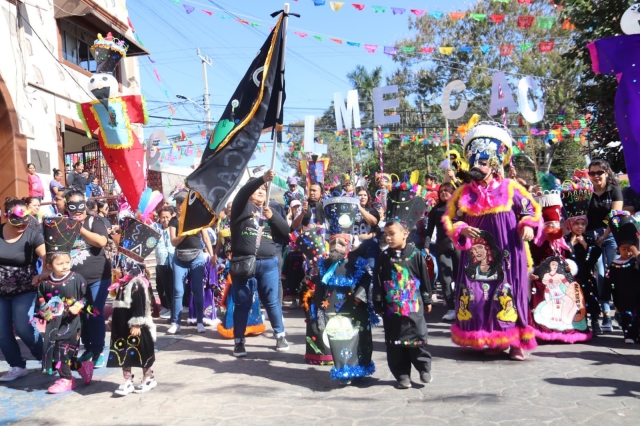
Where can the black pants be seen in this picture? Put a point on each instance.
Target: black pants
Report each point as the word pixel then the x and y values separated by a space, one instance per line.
pixel 448 261
pixel 164 285
pixel 630 322
pixel 400 359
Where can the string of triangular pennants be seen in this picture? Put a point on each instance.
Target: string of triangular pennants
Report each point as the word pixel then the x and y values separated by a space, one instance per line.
pixel 505 49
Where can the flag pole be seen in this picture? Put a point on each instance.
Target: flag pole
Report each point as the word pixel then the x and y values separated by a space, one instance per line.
pixel 285 23
pixel 446 120
pixel 351 151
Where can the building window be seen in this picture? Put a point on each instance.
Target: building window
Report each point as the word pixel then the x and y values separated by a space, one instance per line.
pixel 76 42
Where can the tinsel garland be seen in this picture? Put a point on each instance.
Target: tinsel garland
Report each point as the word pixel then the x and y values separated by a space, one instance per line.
pixel 343 281
pixel 350 372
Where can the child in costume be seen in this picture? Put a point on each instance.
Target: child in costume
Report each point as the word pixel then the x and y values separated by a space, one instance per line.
pixel 293 193
pixel 61 298
pixel 584 251
pixel 133 332
pixel 623 279
pixel 402 290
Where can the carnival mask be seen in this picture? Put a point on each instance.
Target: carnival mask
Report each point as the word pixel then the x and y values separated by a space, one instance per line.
pixel 76 207
pixel 18 217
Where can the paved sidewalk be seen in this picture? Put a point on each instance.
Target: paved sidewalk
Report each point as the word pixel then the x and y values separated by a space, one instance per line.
pixel 200 382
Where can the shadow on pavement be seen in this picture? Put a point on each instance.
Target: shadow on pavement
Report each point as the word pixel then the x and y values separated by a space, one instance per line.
pixel 599 358
pixel 621 388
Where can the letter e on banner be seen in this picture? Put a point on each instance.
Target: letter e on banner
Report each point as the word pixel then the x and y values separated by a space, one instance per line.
pixel 446 100
pixel 526 84
pixel 507 101
pixel 352 109
pixel 379 105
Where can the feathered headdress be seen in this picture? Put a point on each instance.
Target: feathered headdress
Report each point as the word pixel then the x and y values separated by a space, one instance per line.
pixel 148 202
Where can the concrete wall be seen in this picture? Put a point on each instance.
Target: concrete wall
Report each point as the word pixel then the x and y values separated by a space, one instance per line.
pixel 43 91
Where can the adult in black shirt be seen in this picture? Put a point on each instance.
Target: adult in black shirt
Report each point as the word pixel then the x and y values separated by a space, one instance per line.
pixel 76 179
pixel 606 196
pixel 89 260
pixel 20 247
pixel 280 241
pixel 254 225
pixel 188 263
pixel 447 256
pixel 366 220
pixel 311 209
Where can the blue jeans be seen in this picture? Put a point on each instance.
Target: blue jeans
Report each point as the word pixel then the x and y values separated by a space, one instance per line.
pixel 609 248
pixel 17 312
pixel 265 280
pixel 194 271
pixel 93 327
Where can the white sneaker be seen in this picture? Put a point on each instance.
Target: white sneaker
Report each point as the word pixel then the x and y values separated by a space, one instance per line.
pixel 165 313
pixel 201 328
pixel 14 373
pixel 449 316
pixel 146 385
pixel 124 389
pixel 174 329
pixel 629 341
pixel 191 321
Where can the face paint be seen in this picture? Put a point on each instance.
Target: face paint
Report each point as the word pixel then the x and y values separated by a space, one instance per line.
pixel 76 207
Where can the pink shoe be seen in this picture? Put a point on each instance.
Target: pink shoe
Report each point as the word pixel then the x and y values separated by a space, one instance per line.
pixel 495 351
pixel 62 385
pixel 86 371
pixel 517 354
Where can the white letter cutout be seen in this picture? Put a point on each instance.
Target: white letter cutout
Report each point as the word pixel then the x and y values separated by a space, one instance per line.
pixel 500 81
pixel 379 105
pixel 345 113
pixel 526 84
pixel 310 144
pixel 446 100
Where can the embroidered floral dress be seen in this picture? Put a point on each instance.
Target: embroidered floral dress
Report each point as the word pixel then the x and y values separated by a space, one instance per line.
pixel 401 288
pixel 494 266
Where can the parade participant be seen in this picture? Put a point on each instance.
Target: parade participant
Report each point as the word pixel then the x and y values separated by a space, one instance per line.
pixel 366 219
pixel 56 186
pixel 133 332
pixel 76 179
pixel 33 207
pixel 402 290
pixel 457 167
pixel 606 197
pixel 624 274
pixel 447 256
pixel 95 188
pixel 164 261
pixel 292 193
pixel 209 287
pixel 311 208
pixel 254 262
pixel 35 184
pixel 188 263
pixel 20 247
pixel 223 243
pixel 61 298
pixel 292 272
pixel 383 183
pixel 347 185
pixel 489 220
pixel 294 211
pixel 340 299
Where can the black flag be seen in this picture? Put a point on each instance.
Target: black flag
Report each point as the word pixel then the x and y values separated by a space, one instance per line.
pixel 252 108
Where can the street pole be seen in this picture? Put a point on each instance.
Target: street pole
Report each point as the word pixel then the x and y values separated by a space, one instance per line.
pixel 285 22
pixel 206 60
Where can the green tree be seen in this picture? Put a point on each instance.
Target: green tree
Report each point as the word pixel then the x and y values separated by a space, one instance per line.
pixel 596 19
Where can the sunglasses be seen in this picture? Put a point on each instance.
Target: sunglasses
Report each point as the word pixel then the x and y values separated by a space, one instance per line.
pixel 597 173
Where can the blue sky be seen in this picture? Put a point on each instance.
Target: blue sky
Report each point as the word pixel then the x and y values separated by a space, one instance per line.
pixel 314 71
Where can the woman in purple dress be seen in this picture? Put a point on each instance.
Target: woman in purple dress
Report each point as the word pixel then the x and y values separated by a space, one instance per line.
pixel 489 220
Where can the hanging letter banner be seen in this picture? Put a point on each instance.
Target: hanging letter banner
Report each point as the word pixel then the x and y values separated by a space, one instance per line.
pixel 379 105
pixel 352 109
pixel 459 86
pixel 507 101
pixel 526 84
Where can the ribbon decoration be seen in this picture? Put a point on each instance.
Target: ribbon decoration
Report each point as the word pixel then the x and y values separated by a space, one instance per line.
pixel 188 9
pixel 398 10
pixel 336 5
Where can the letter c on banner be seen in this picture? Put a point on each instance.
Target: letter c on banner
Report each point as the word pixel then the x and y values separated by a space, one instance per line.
pixel 526 84
pixel 446 100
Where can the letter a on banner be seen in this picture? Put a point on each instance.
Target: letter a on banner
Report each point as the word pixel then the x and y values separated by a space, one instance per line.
pixel 507 101
pixel 446 100
pixel 352 109
pixel 379 105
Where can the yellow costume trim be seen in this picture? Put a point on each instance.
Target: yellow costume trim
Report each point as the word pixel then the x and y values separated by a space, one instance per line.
pixel 183 215
pixel 452 211
pixel 127 124
pixel 498 341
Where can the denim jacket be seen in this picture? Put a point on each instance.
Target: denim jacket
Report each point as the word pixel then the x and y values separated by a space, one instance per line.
pixel 164 249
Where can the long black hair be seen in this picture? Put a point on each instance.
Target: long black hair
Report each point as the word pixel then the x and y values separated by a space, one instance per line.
pixel 73 193
pixel 604 164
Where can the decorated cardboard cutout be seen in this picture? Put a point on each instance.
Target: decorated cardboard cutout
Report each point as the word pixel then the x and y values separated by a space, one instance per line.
pixel 485 259
pixel 616 55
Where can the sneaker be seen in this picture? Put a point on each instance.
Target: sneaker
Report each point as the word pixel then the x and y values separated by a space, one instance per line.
pixel 191 321
pixel 99 361
pixel 239 351
pixel 449 316
pixel 210 323
pixel 201 328
pixel 425 377
pixel 282 344
pixel 124 389
pixel 174 329
pixel 517 354
pixel 629 341
pixel 14 373
pixel 86 371
pixel 146 385
pixel 595 327
pixel 607 327
pixel 86 356
pixel 165 313
pixel 404 383
pixel 62 385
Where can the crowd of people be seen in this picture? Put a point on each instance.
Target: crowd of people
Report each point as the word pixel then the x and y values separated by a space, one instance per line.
pixel 516 262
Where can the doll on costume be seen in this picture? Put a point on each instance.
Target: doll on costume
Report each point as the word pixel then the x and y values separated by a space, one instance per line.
pixel 623 279
pixel 133 332
pixel 558 308
pixel 61 298
pixel 341 297
pixel 584 250
pixel 402 289
pixel 489 220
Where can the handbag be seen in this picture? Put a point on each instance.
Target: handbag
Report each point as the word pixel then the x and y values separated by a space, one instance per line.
pixel 244 267
pixel 187 255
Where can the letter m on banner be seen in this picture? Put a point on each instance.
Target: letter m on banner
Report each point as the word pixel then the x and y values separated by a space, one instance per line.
pixel 345 113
